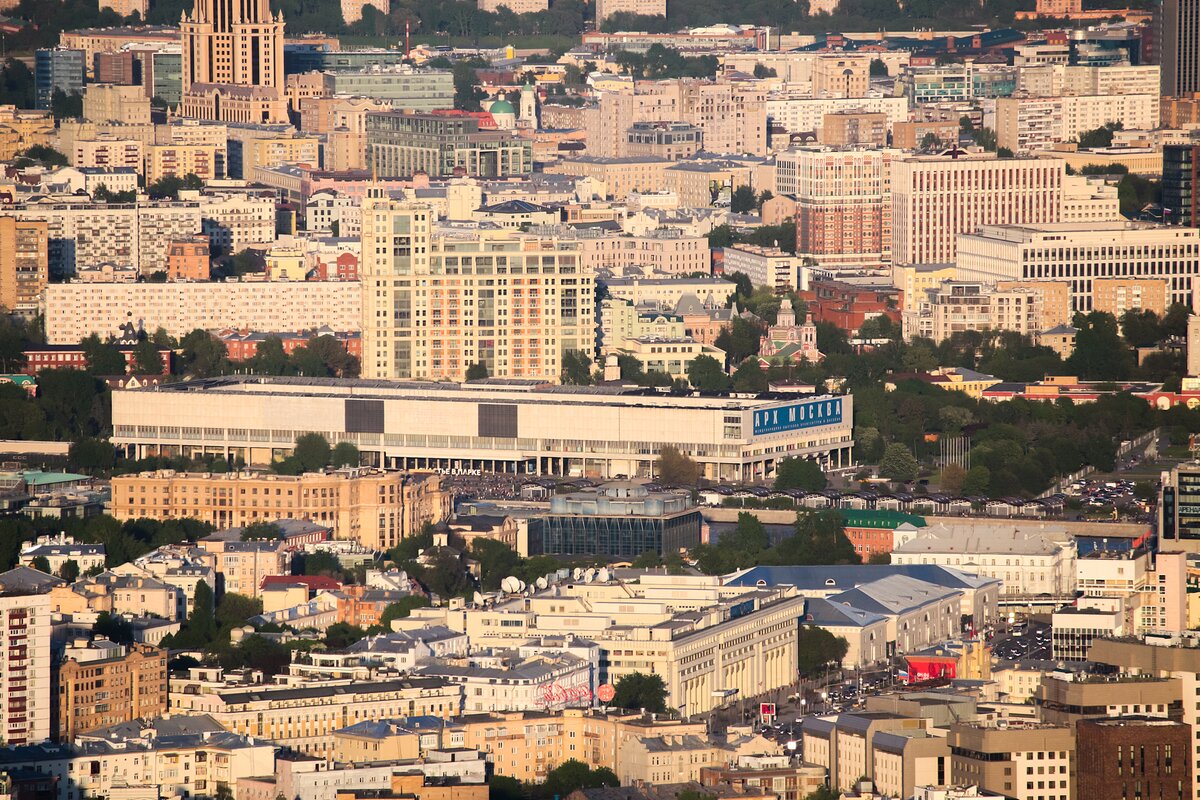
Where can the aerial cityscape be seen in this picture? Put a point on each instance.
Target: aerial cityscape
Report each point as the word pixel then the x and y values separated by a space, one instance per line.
pixel 613 400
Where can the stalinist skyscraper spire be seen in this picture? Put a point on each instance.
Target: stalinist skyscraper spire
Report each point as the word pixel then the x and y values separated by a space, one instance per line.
pixel 233 62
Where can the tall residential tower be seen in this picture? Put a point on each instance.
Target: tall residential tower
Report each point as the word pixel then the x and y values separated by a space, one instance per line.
pixel 233 62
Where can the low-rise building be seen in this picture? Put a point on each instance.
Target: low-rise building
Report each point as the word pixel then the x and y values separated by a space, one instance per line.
pixel 1020 761
pixel 1030 562
pixel 58 550
pixel 303 716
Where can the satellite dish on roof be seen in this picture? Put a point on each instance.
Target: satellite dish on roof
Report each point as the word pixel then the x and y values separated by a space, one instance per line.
pixel 520 584
pixel 590 575
pixel 603 575
pixel 478 598
pixel 510 585
pixel 577 573
pixel 541 583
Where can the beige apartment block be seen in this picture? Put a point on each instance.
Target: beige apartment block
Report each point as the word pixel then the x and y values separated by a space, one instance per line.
pixel 180 160
pixel 108 153
pixel 370 506
pixel 21 129
pixel 24 263
pixel 936 198
pixel 73 311
pixel 731 115
pixel 25 691
pixel 841 75
pixel 1118 295
pixel 303 717
pixel 855 128
pixel 1013 761
pixel 95 693
pixel 107 102
pixel 620 175
pixel 535 303
pixel 606 8
pixel 664 251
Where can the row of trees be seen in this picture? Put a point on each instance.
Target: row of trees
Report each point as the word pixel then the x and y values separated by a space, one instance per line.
pixel 818 537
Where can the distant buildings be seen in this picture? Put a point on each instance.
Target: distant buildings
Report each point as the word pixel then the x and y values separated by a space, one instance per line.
pixel 400 144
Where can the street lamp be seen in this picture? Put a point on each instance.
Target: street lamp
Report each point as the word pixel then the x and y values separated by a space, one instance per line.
pixel 803 703
pixel 824 702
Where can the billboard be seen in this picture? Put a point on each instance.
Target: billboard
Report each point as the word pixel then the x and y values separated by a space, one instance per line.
pixel 797 416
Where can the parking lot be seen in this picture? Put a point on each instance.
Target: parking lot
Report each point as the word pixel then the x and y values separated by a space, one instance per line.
pixel 1025 640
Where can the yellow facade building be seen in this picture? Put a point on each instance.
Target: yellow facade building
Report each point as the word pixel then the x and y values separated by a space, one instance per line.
pixel 374 507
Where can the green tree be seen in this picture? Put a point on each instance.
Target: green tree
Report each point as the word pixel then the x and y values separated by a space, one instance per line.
pixel 750 377
pixel 477 371
pixel 321 563
pixel 445 575
pixel 740 339
pixel 345 454
pixel 45 154
pixel 115 628
pixel 69 571
pixel 898 463
pixel 401 609
pixel 743 200
pixel 951 478
pixel 878 68
pixel 641 690
pixel 323 357
pixel 467 94
pixel 673 467
pixel 985 138
pixel 1141 327
pixel 706 374
pixel 234 609
pixel 504 787
pixel 817 648
pixel 66 106
pixel 202 355
pixel 262 531
pixel 146 358
pixel 819 538
pixel 312 451
pixel 800 473
pixel 1099 352
pixel 201 628
pixel 977 481
pixel 1099 137
pixel 41 564
pixel 572 774
pixel 91 455
pixel 576 368
pixel 496 562
pixel 341 635
pixel 101 357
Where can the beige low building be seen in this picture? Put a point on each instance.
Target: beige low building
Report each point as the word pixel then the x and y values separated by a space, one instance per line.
pixel 528 745
pixel 21 129
pixel 108 153
pixel 243 565
pixel 304 716
pixel 1118 295
pixel 1012 761
pixel 181 160
pixel 374 507
pixel 620 175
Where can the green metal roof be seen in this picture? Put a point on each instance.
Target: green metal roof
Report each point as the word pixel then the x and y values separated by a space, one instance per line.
pixel 35 478
pixel 870 518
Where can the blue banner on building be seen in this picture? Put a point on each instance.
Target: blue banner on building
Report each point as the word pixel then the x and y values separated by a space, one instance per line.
pixel 798 416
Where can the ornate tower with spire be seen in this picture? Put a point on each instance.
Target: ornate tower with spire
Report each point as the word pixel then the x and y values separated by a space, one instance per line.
pixel 233 62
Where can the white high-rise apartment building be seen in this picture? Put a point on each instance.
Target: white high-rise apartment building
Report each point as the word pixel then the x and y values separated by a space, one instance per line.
pixel 935 198
pixel 1079 253
pixel 25 653
pixel 436 302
